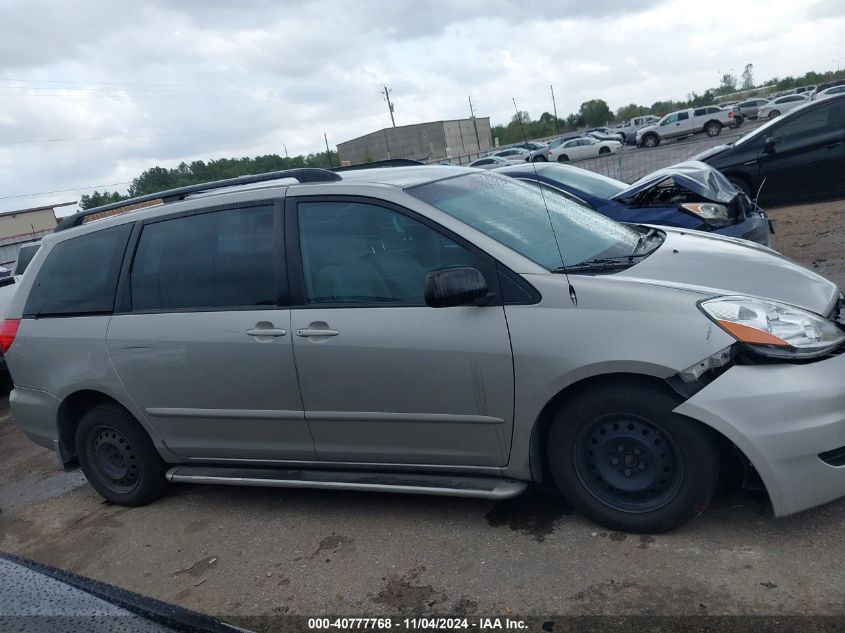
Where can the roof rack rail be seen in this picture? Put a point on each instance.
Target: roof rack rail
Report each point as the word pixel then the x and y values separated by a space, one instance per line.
pixel 302 174
pixel 390 162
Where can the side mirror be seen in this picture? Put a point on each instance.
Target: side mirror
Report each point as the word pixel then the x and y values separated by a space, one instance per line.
pixel 769 145
pixel 458 286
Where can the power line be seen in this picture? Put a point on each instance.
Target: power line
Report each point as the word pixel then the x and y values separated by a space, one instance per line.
pixel 44 193
pixel 127 138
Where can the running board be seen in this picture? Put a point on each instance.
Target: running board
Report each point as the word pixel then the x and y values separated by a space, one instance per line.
pixel 410 483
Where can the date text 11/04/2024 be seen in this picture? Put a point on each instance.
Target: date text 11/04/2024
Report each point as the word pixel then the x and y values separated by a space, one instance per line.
pixel 423 623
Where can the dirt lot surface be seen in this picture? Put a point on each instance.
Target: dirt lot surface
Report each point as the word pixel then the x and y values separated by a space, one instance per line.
pixel 813 234
pixel 241 552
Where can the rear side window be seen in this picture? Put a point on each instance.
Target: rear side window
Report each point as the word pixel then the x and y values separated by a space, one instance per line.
pixel 25 255
pixel 218 259
pixel 80 275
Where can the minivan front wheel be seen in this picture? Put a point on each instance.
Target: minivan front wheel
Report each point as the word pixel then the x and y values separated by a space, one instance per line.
pixel 624 460
pixel 118 457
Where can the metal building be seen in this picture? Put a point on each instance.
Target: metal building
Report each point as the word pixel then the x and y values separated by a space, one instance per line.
pixel 432 141
pixel 25 225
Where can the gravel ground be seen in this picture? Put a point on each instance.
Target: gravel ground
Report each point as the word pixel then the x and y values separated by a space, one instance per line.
pixel 238 552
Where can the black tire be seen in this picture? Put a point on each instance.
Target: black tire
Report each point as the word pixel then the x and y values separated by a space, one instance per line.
pixel 563 158
pixel 713 128
pixel 603 151
pixel 651 140
pixel 665 474
pixel 740 184
pixel 774 114
pixel 539 158
pixel 118 457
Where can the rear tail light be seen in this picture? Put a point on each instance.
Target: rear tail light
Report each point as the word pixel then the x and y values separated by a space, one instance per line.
pixel 8 331
pixel 730 115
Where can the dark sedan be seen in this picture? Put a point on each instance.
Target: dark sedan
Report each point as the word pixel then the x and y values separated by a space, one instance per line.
pixel 688 195
pixel 796 157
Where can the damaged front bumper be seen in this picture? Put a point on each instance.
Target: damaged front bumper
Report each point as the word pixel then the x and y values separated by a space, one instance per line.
pixel 789 421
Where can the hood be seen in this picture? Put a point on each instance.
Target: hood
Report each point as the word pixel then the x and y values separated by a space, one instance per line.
pixel 699 178
pixel 713 151
pixel 714 265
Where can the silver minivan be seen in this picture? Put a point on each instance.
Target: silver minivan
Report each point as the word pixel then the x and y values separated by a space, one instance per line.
pixel 429 329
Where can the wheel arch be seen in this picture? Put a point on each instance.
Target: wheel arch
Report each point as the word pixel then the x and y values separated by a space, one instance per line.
pixel 75 405
pixel 731 456
pixel 653 135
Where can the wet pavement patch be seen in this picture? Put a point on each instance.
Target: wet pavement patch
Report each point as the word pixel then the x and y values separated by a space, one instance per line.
pixel 331 544
pixel 645 541
pixel 404 594
pixel 533 513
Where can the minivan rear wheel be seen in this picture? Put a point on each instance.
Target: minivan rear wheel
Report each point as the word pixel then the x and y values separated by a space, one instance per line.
pixel 118 457
pixel 623 459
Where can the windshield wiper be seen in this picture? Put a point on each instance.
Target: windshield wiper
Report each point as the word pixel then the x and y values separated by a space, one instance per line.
pixel 602 264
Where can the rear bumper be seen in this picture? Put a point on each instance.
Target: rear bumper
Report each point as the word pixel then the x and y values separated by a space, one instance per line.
pixel 782 417
pixel 36 413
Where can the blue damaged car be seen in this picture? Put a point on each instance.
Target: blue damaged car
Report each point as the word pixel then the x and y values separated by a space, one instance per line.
pixel 690 195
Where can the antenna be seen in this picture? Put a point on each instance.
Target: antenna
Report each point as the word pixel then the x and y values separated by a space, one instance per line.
pixel 572 296
pixel 757 197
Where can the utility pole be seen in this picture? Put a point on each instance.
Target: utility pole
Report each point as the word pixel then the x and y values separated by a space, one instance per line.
pixel 474 124
pixel 328 151
pixel 286 150
pixel 554 107
pixel 389 105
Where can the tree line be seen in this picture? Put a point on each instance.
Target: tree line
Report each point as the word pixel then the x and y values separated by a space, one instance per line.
pixel 160 178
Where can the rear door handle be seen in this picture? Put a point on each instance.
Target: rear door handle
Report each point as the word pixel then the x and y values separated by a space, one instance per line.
pixel 833 145
pixel 266 332
pixel 306 332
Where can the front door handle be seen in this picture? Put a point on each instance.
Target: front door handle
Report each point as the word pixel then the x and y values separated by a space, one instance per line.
pixel 310 331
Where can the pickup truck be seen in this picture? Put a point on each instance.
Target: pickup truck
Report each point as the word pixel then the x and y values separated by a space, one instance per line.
pixel 707 119
pixel 629 129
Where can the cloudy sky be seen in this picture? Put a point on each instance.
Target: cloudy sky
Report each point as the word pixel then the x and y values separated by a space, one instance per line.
pixel 94 92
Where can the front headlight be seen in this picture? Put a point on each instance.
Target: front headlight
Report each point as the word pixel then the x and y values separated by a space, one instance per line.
pixel 713 214
pixel 773 328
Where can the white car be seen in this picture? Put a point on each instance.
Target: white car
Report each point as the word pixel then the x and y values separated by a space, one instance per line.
pixel 513 153
pixel 578 148
pixel 829 92
pixel 491 162
pixel 778 106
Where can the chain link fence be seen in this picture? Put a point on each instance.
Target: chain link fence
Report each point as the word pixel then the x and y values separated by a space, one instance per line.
pixel 631 163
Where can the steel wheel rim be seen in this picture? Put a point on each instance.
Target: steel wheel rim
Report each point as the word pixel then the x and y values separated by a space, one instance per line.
pixel 114 459
pixel 628 463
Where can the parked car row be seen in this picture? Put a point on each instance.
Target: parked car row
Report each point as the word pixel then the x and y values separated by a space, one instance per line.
pixel 588 144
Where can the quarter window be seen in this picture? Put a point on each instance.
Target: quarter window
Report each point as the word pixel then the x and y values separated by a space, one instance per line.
pixel 220 259
pixel 354 252
pixel 80 275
